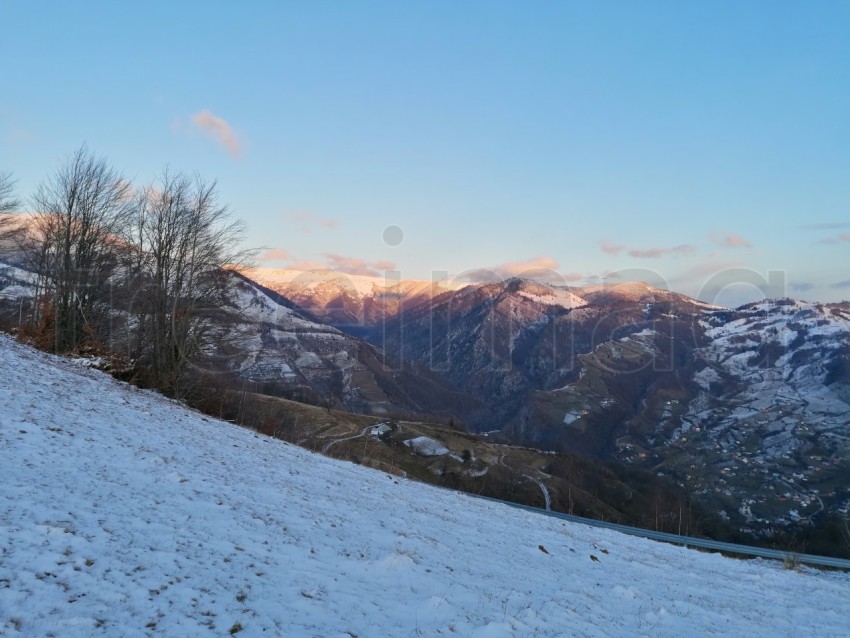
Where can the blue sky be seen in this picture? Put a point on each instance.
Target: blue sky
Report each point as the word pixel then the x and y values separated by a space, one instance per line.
pixel 667 141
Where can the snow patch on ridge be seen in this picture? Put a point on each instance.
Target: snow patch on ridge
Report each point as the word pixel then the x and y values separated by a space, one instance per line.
pixel 562 298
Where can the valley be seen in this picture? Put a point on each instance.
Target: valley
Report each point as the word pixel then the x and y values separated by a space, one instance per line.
pixel 747 409
pixel 659 400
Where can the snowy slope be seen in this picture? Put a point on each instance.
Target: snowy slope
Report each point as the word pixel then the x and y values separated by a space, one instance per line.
pixel 555 297
pixel 132 516
pixel 15 282
pixel 772 411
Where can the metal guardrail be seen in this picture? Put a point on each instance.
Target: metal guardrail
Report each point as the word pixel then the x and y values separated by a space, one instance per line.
pixel 685 541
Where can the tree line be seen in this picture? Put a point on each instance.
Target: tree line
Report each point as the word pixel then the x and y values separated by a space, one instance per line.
pixel 139 270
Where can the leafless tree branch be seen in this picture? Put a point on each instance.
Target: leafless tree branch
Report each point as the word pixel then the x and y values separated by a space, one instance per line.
pixel 73 241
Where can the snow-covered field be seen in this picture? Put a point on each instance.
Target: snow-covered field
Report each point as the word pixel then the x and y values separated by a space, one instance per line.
pixel 124 514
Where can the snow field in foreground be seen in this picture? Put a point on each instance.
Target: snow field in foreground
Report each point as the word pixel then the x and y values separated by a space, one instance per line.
pixel 124 514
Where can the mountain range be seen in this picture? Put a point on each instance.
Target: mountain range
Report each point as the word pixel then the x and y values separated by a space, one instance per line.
pixel 747 409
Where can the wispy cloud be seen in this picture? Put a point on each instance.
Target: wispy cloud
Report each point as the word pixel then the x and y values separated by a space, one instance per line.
pixel 276 254
pixel 307 222
pixel 384 264
pixel 730 240
pixel 610 248
pixel 826 226
pixel 655 253
pixel 842 238
pixel 541 267
pixel 801 286
pixel 841 285
pixel 219 129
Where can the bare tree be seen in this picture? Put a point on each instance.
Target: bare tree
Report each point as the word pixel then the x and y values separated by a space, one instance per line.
pixel 184 247
pixel 8 205
pixel 163 257
pixel 73 242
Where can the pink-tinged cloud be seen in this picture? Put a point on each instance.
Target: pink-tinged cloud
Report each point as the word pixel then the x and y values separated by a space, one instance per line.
pixel 383 264
pixel 840 239
pixel 535 265
pixel 684 249
pixel 219 129
pixel 306 264
pixel 539 268
pixel 308 221
pixel 730 240
pixel 276 254
pixel 356 266
pixel 647 253
pixel 655 253
pixel 611 249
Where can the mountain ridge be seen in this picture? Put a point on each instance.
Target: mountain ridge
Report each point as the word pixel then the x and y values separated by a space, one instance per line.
pixel 628 373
